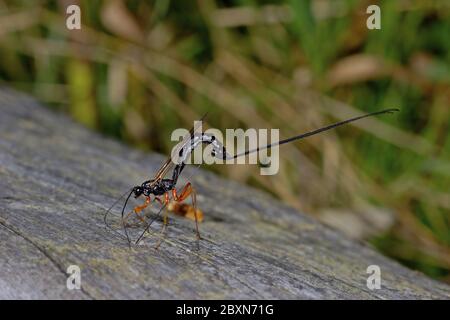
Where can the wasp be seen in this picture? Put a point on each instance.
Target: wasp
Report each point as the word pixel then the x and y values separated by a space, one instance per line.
pixel 163 189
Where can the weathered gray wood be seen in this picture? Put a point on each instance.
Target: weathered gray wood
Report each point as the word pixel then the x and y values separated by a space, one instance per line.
pixel 56 180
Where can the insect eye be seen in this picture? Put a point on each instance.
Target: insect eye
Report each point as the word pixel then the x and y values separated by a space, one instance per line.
pixel 137 191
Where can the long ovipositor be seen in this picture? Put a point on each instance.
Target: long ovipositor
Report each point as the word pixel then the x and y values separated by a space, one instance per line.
pixel 219 151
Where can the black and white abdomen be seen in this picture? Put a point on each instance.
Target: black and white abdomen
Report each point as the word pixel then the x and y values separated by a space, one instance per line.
pixel 218 150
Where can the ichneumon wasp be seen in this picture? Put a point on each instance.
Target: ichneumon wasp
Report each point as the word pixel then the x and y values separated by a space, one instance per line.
pixel 164 191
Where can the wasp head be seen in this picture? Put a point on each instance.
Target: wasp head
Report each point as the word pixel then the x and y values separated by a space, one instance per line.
pixel 137 191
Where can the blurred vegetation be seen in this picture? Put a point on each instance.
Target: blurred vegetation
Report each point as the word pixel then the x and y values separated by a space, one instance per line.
pixel 139 69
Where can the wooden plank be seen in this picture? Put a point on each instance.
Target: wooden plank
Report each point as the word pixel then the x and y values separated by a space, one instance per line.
pixel 57 179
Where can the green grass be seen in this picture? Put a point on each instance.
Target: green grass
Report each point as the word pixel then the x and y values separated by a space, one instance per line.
pixel 139 69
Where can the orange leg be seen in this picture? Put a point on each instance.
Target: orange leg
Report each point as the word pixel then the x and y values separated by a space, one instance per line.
pixel 159 200
pixel 138 209
pixel 187 191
